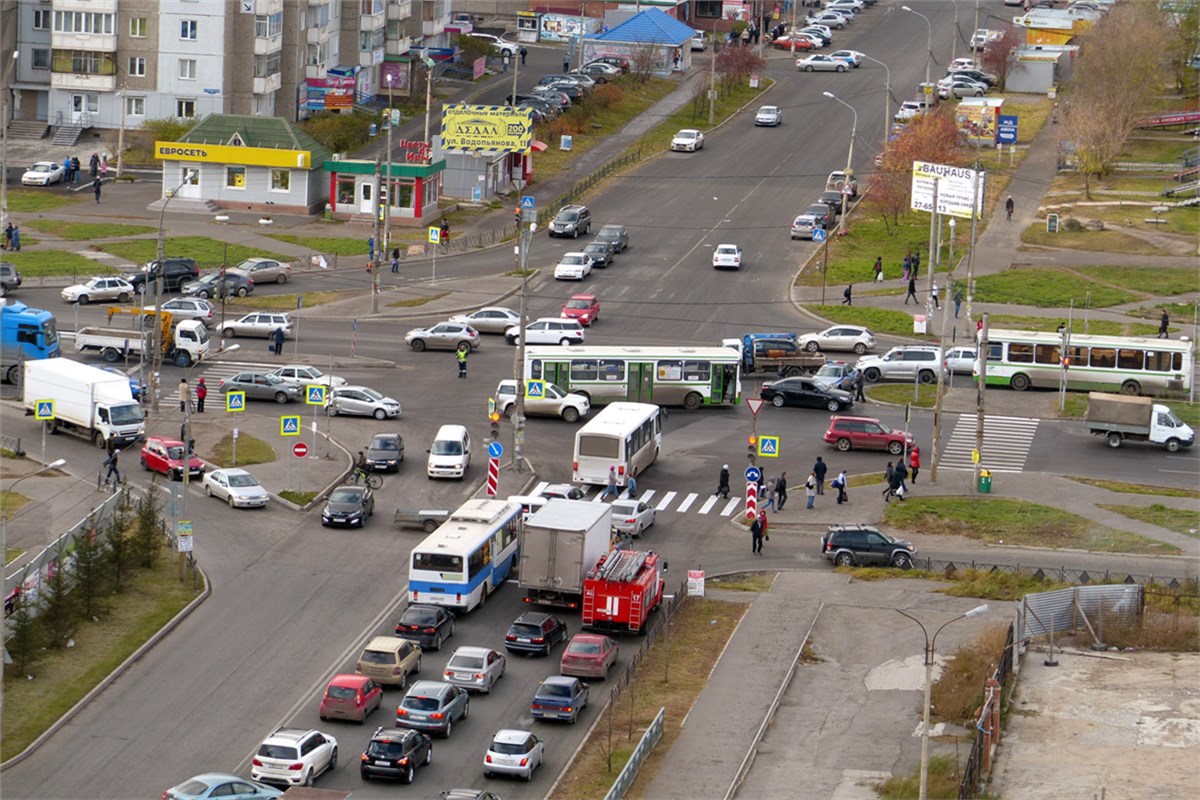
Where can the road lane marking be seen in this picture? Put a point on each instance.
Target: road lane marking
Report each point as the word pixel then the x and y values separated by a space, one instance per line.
pixel 687 502
pixel 666 501
pixel 730 506
pixel 708 504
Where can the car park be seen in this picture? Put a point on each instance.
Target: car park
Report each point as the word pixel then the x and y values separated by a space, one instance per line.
pixel 174 270
pixel 620 62
pixel 511 752
pixel 769 116
pixel 582 307
pixel 535 633
pixel 852 57
pixel 554 402
pixel 237 487
pixel 600 253
pixel 395 753
pixel 794 40
pixel 820 31
pixel 213 785
pixel 910 109
pixel 182 308
pixel 589 655
pixel 100 288
pixel 475 668
pixel 839 337
pixel 804 392
pixel 349 506
pixel 863 545
pixel 350 697
pixel 428 626
pixel 804 225
pixel 960 360
pixel 688 139
pixel 502 45
pixel 443 336
pixel 727 256
pixel 572 90
pixel 585 82
pixel 294 757
pixel 573 267
pixel 838 181
pixel 361 401
pixel 264 270
pixel 906 363
pixel 548 330
pixel 433 706
pixel 866 433
pixel 262 324
pixel 231 284
pixel 259 386
pixel 559 697
pixel 165 456
pixel 598 71
pixel 631 516
pixel 541 110
pixel 819 62
pixel 559 100
pixel 571 221
pixel 616 235
pixel 306 375
pixel 493 319
pixel 979 76
pixel 385 452
pixel 829 19
pixel 960 89
pixel 43 173
pixel 389 660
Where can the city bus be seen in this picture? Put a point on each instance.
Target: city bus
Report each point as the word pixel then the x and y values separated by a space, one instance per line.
pixel 691 377
pixel 1126 364
pixel 625 436
pixel 468 557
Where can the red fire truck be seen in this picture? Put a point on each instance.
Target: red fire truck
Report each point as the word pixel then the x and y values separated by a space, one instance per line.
pixel 622 589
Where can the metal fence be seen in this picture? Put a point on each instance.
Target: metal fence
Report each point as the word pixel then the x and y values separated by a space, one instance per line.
pixel 1068 609
pixel 1061 574
pixel 640 753
pixel 12 444
pixel 987 724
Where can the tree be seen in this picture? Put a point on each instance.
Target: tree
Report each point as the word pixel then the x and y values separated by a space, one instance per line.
pixel 643 61
pixel 933 137
pixel 25 642
pixel 118 545
pixel 1181 24
pixel 735 64
pixel 91 571
pixel 60 611
pixel 1000 55
pixel 147 534
pixel 471 48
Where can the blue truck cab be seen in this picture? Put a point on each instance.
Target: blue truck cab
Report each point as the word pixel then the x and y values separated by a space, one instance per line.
pixel 26 334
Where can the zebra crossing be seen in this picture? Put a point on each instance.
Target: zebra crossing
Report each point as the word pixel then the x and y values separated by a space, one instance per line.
pixel 712 504
pixel 220 370
pixel 1006 443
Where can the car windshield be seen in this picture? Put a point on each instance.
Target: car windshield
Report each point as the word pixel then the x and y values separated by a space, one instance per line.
pixel 607 231
pixel 243 480
pixel 579 304
pixel 686 135
pixel 274 380
pixel 574 260
pixel 419 616
pixel 585 648
pixel 385 444
pixel 508 748
pixel 554 690
pixel 281 751
pixel 595 248
pixel 371 393
pixel 444 447
pixel 420 703
pixel 466 662
pixel 568 216
pixel 882 426
pixel 385 749
pixel 341 693
pixel 345 496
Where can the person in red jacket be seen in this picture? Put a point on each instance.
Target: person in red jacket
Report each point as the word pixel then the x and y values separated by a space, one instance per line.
pixel 201 393
pixel 914 461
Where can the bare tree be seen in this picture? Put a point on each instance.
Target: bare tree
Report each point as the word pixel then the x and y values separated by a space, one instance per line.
pixel 1181 24
pixel 643 61
pixel 1000 55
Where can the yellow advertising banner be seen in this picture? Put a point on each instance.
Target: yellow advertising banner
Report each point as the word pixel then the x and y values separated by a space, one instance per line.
pixel 229 154
pixel 500 129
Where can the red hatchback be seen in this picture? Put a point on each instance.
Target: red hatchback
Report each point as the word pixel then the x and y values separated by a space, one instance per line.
pixel 163 455
pixel 583 307
pixel 866 433
pixel 350 697
pixel 589 655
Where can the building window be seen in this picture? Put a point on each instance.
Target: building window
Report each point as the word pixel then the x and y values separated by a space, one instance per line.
pixel 137 65
pixel 281 180
pixel 708 8
pixel 41 59
pixel 137 27
pixel 187 69
pixel 268 65
pixel 268 25
pixel 317 54
pixel 235 177
pixel 318 16
pixel 369 7
pixel 371 40
pixel 83 22
pixel 41 19
pixel 83 62
pixel 185 108
pixel 135 106
pixel 431 193
pixel 187 29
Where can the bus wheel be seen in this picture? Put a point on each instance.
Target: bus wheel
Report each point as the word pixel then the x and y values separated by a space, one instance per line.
pixel 692 401
pixel 1019 382
pixel 1131 387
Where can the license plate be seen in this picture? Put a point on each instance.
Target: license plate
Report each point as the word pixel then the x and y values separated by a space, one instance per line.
pixel 382 764
pixel 526 641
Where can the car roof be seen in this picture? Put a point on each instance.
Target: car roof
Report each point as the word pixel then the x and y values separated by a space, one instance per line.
pixel 532 617
pixel 164 440
pixel 348 679
pixel 583 297
pixel 559 680
pixel 470 650
pixel 351 488
pixel 393 734
pixel 288 735
pixel 589 637
pixel 231 471
pixel 510 736
pixel 429 688
pixel 839 417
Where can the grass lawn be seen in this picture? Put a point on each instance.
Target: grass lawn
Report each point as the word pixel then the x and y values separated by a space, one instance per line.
pixel 1123 487
pixel 345 245
pixel 1046 288
pixel 38 263
pixel 250 450
pixel 879 320
pixel 744 581
pixel 207 252
pixel 62 677
pixel 1116 184
pixel 414 302
pixel 287 302
pixel 1099 327
pixel 1163 281
pixel 11 554
pixel 1180 312
pixel 1015 522
pixel 1178 221
pixel 1174 519
pixel 1106 241
pixel 11 503
pixel 30 201
pixel 1156 149
pixel 87 231
pixel 852 257
pixel 901 393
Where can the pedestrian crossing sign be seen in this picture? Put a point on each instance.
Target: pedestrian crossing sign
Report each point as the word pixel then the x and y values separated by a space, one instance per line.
pixel 235 401
pixel 314 395
pixel 435 234
pixel 768 446
pixel 43 409
pixel 818 234
pixel 535 390
pixel 289 425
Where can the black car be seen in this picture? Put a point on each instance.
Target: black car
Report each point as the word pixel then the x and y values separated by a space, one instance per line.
pixel 805 393
pixel 175 273
pixel 349 505
pixel 395 753
pixel 601 253
pixel 616 235
pixel 535 633
pixel 571 90
pixel 822 213
pixel 854 545
pixel 428 626
pixel 385 452
pixel 215 285
pixel 833 200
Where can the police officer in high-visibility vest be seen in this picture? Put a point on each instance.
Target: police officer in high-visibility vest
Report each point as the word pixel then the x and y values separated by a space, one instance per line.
pixel 461 354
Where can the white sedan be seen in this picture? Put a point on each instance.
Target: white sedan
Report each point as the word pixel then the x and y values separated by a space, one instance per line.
pixel 631 516
pixel 304 375
pixel 43 173
pixel 769 116
pixel 727 256
pixel 573 267
pixel 237 487
pixel 819 62
pixel 688 140
pixel 103 288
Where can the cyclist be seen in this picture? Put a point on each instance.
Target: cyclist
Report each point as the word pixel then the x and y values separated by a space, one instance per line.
pixel 360 466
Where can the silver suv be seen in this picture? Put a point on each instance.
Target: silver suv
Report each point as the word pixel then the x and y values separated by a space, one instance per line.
pixel 910 362
pixel 572 221
pixel 9 278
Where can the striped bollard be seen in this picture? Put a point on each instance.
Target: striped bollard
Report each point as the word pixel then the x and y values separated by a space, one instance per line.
pixel 493 476
pixel 751 499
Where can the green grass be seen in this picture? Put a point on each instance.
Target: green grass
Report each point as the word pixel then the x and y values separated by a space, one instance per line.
pixel 416 302
pixel 1017 523
pixel 1106 241
pixel 1155 149
pixel 942 779
pixel 1124 487
pixel 84 231
pixel 901 393
pixel 1099 327
pixel 287 302
pixel 344 245
pixel 31 201
pixel 1180 313
pixel 1077 402
pixel 984 584
pixel 1046 287
pixel 11 503
pixel 45 263
pixel 1159 280
pixel 250 450
pixel 1180 520
pixel 852 257
pixel 744 582
pixel 1178 221
pixel 298 498
pixel 11 554
pixel 207 252
pixel 879 320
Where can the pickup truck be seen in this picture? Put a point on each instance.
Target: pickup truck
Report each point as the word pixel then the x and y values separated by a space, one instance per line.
pixel 776 354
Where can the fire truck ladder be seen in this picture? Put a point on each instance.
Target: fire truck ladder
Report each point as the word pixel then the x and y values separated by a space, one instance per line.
pixel 624 567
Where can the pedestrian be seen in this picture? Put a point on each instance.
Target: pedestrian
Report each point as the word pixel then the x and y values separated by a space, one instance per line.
pixel 912 291
pixel 839 483
pixel 111 463
pixel 94 164
pixel 900 473
pixel 879 269
pixel 1061 329
pixel 461 355
pixel 958 298
pixel 524 52
pixel 1164 325
pixel 1009 205
pixel 768 494
pixel 16 238
pixel 8 230
pixel 504 59
pixel 611 489
pixel 780 491
pixel 104 165
pixel 847 296
pixel 445 234
pixel 887 479
pixel 819 470
pixel 810 490
pixel 566 63
pixel 858 387
pixel 933 292
pixel 631 485
pixel 396 259
pixel 895 486
pixel 371 248
pixel 914 461
pixel 756 537
pixel 766 528
pixel 277 338
pixel 96 189
pixel 916 262
pixel 908 265
pixel 184 395
pixel 201 393
pixel 67 170
pixel 723 483
pixel 75 167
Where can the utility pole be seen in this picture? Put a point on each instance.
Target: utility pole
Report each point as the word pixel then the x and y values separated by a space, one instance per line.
pixel 428 109
pixel 393 118
pixel 378 241
pixel 525 236
pixel 979 400
pixel 712 82
pixel 6 88
pixel 156 355
pixel 121 132
pixel 980 178
pixel 934 247
pixel 975 53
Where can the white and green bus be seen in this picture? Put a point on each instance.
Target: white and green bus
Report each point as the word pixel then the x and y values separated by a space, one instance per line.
pixel 1126 364
pixel 692 377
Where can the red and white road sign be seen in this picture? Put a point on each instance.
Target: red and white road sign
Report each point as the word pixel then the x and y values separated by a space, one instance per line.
pixel 755 404
pixel 493 478
pixel 751 499
pixel 299 449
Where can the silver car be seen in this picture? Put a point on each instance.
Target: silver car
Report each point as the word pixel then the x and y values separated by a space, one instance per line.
pixel 493 319
pixel 475 668
pixel 769 116
pixel 361 401
pixel 905 363
pixel 819 62
pixel 839 337
pixel 105 288
pixel 236 487
pixel 182 308
pixel 264 270
pixel 304 375
pixel 260 324
pixel 260 386
pixel 554 402
pixel 631 516
pixel 433 706
pixel 443 336
pixel 960 360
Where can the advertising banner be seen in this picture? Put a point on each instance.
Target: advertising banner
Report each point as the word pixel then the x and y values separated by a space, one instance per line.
pixel 954 189
pixel 497 129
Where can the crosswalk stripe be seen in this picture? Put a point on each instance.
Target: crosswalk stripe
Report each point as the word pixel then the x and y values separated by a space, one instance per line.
pixel 708 504
pixel 730 506
pixel 599 496
pixel 685 505
pixel 666 501
pixel 646 495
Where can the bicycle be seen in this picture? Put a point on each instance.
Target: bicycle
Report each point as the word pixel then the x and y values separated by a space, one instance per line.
pixel 372 479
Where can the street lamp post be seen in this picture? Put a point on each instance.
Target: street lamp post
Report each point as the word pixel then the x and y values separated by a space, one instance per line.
pixel 526 236
pixel 930 644
pixel 849 160
pixel 4 86
pixel 928 40
pixel 156 356
pixel 887 97
pixel 387 208
pixel 186 430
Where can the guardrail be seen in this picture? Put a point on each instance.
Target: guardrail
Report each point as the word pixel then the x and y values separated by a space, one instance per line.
pixel 639 754
pixel 11 444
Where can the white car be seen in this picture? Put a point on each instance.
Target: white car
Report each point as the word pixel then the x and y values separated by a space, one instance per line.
pixel 501 44
pixel 182 308
pixel 699 42
pixel 960 88
pixel 959 64
pixel 839 337
pixel 237 487
pixel 960 360
pixel 43 173
pixel 108 288
pixel 829 19
pixel 361 401
pixel 313 751
pixel 853 57
pixel 475 669
pixel 769 116
pixel 854 5
pixel 688 140
pixel 548 330
pixel 727 256
pixel 554 402
pixel 573 267
pixel 513 752
pixel 493 319
pixel 819 62
pixel 631 516
pixel 304 375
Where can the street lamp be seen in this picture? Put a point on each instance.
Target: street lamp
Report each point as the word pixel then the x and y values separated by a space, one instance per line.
pixel 928 39
pixel 186 430
pixel 387 207
pixel 930 644
pixel 526 236
pixel 887 97
pixel 5 87
pixel 156 360
pixel 849 159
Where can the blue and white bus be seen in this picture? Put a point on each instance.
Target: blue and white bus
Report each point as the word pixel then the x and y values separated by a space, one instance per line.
pixel 468 557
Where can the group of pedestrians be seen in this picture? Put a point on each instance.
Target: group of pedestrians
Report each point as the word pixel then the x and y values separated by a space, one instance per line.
pixel 97 170
pixel 896 474
pixel 12 237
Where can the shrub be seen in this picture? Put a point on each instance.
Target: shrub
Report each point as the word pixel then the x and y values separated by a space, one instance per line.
pixel 169 129
pixel 25 642
pixel 147 536
pixel 607 96
pixel 60 617
pixel 339 132
pixel 959 691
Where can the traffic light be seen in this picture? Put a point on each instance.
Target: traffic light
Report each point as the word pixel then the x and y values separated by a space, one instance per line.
pixel 750 447
pixel 494 419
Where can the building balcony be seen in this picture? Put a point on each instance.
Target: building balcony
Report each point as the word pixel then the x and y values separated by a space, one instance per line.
pixel 265 45
pixel 317 35
pixel 434 27
pixel 83 82
pixel 399 9
pixel 398 47
pixel 372 22
pixel 265 7
pixel 93 6
pixel 269 84
pixel 315 71
pixel 369 58
pixel 92 42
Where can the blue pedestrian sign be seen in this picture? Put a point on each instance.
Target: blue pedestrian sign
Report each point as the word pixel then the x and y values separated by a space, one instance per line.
pixel 43 410
pixel 535 390
pixel 314 395
pixel 753 474
pixel 768 446
pixel 235 401
pixel 818 234
pixel 495 449
pixel 289 425
pixel 527 201
pixel 1006 129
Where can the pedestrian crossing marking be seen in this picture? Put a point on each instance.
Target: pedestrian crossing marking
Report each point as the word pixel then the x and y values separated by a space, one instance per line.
pixel 646 495
pixel 599 496
pixel 666 501
pixel 731 506
pixel 1006 443
pixel 708 504
pixel 687 502
pixel 651 497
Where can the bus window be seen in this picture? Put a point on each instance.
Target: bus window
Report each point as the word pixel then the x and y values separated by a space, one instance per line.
pixel 697 371
pixel 670 370
pixel 479 559
pixel 436 562
pixel 535 369
pixel 1020 353
pixel 1128 358
pixel 612 369
pixel 599 446
pixel 1079 355
pixel 1047 354
pixel 583 369
pixel 995 351
pixel 1105 357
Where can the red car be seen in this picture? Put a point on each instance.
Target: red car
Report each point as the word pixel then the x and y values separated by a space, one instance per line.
pixel 866 433
pixel 350 697
pixel 589 655
pixel 583 307
pixel 160 454
pixel 785 43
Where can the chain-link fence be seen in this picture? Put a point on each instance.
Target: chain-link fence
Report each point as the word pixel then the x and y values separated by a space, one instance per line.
pixel 1060 574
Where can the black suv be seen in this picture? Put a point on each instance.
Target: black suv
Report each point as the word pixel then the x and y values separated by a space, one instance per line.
pixel 534 632
pixel 572 221
pixel 395 753
pixel 857 545
pixel 428 626
pixel 176 272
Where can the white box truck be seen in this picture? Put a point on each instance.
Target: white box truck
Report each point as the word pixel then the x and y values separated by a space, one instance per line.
pixel 560 542
pixel 88 401
pixel 1118 417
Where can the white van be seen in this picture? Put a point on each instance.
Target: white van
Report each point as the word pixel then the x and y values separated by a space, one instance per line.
pixel 450 454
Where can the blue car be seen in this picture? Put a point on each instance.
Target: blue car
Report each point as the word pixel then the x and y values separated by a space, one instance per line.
pixel 135 385
pixel 219 784
pixel 559 697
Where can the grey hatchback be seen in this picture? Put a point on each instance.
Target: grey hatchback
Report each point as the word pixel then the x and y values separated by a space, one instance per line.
pixel 385 452
pixel 433 706
pixel 616 235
